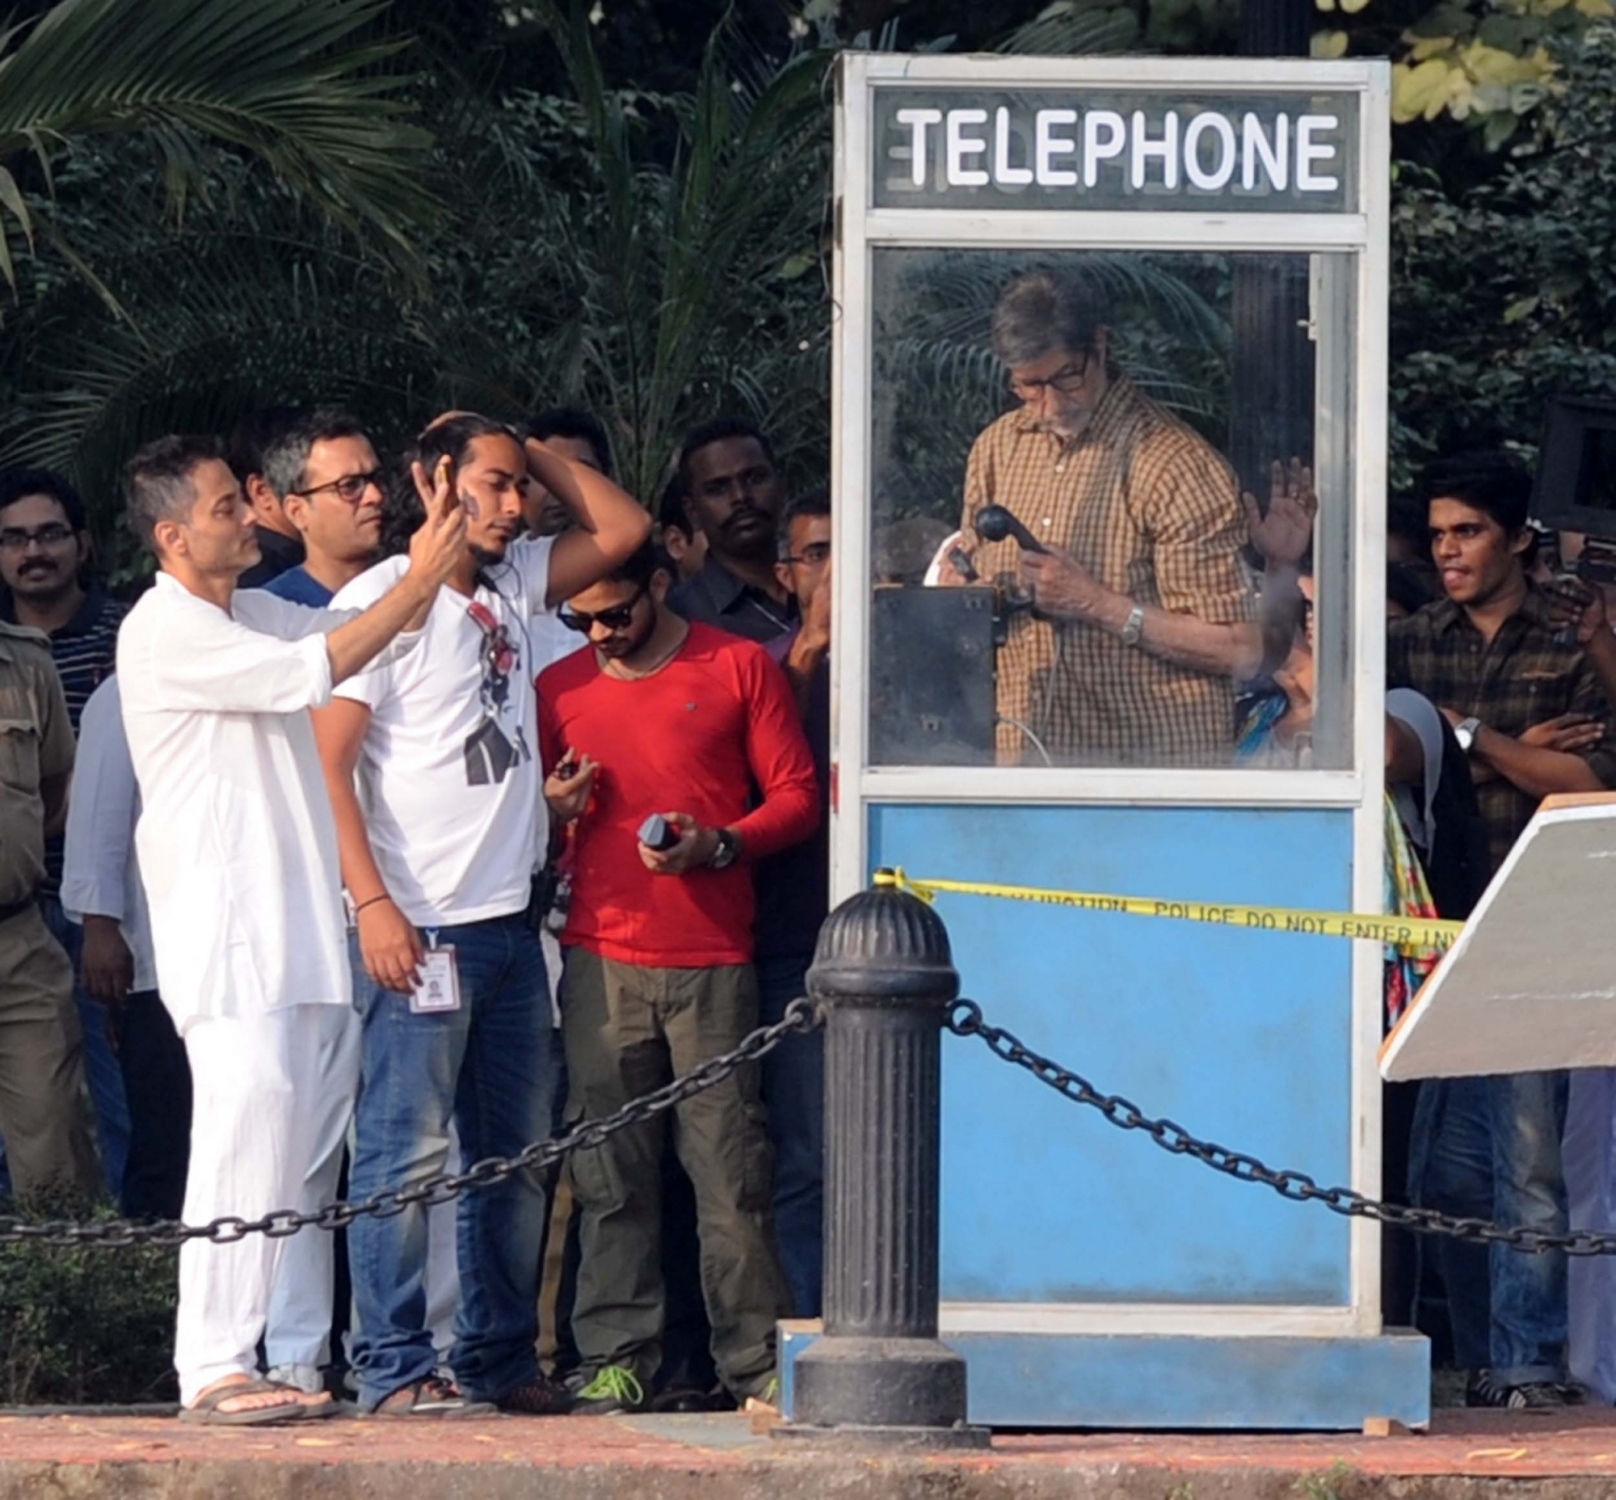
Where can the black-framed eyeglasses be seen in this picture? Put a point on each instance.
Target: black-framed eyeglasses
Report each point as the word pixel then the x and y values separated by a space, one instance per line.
pixel 618 617
pixel 350 488
pixel 1066 381
pixel 52 534
pixel 814 555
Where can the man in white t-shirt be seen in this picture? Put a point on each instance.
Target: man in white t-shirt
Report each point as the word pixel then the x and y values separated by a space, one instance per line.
pixel 238 856
pixel 430 764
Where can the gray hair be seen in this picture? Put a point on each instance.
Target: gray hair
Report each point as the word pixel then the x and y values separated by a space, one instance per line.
pixel 286 455
pixel 1038 312
pixel 158 484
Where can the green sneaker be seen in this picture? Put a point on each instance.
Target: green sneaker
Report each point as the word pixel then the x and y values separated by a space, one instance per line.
pixel 613 1391
pixel 768 1393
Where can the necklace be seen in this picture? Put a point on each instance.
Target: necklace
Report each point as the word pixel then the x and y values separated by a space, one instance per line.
pixel 634 674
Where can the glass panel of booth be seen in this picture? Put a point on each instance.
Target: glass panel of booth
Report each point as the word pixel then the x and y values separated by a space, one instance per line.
pixel 1111 504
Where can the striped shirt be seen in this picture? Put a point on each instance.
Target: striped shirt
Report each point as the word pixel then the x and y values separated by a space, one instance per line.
pixel 84 650
pixel 1152 511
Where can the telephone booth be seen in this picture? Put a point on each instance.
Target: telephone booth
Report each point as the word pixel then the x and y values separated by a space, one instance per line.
pixel 1221 226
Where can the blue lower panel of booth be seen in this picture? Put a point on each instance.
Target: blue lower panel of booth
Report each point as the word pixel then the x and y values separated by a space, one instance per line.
pixel 1243 1037
pixel 1175 1381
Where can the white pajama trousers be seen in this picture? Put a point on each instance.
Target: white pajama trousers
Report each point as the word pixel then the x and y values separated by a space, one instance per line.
pixel 264 1088
pixel 298 1335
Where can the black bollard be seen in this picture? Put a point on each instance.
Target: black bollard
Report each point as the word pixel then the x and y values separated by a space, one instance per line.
pixel 885 978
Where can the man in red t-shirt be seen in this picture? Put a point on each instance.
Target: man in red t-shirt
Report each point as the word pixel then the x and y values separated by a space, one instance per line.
pixel 657 716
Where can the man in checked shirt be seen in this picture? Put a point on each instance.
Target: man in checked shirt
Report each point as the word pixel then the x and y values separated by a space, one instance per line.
pixel 1143 612
pixel 1528 711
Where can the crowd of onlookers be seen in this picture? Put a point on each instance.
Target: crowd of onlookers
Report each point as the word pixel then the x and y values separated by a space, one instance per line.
pixel 666 1256
pixel 422 809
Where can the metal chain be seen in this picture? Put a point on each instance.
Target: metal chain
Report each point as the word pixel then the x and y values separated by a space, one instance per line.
pixel 965 1019
pixel 800 1017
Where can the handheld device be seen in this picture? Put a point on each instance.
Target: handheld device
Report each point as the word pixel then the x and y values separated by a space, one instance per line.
pixel 656 832
pixel 994 523
pixel 961 563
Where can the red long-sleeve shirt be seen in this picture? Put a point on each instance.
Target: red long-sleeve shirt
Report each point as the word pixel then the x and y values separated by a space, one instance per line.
pixel 694 737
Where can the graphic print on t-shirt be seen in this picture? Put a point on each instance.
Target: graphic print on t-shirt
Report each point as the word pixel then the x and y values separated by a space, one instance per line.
pixel 490 750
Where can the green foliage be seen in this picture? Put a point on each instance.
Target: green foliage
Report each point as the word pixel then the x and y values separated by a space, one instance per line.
pixel 314 103
pixel 1502 295
pixel 658 259
pixel 84 1326
pixel 1328 1485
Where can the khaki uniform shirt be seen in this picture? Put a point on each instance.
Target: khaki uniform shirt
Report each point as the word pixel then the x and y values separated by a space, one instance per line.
pixel 36 744
pixel 1153 512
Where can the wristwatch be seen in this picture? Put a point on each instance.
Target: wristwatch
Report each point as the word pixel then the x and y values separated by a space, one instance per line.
pixel 1134 631
pixel 727 852
pixel 1465 732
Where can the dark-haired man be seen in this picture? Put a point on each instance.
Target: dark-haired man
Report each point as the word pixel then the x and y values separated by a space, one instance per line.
pixel 433 781
pixel 279 545
pixel 675 719
pixel 1142 609
pixel 1527 709
pixel 734 494
pixel 324 468
pixel 683 541
pixel 793 893
pixel 238 856
pixel 577 436
pixel 44 554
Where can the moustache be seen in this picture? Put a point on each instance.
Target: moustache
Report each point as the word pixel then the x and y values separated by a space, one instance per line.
pixel 744 515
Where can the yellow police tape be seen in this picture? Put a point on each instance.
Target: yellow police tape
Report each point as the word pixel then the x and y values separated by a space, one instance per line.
pixel 1404 932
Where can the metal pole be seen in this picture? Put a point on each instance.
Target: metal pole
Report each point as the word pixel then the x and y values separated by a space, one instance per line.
pixel 885 978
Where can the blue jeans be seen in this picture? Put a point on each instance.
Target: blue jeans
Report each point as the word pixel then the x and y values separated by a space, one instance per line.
pixel 794 1095
pixel 1490 1148
pixel 488 1065
pixel 103 1073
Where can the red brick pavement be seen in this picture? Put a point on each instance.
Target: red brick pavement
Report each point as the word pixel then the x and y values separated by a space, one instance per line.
pixel 1476 1444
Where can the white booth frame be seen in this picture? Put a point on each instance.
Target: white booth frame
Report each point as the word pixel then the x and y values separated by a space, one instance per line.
pixel 860 229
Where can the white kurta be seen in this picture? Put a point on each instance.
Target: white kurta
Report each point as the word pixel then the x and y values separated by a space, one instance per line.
pixel 237 846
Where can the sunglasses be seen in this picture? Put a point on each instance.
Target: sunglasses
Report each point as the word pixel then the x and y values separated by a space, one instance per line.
pixel 618 617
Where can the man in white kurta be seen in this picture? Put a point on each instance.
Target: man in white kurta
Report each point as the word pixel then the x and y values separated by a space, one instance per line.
pixel 239 857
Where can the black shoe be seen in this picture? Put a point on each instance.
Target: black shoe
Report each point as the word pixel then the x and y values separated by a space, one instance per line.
pixel 1487 1390
pixel 686 1398
pixel 613 1391
pixel 538 1397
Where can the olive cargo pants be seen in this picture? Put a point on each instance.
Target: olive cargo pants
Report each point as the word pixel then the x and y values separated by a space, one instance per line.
pixel 629 1030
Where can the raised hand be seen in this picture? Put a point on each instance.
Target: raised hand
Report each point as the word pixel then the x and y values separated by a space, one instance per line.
pixel 1285 532
pixel 439 541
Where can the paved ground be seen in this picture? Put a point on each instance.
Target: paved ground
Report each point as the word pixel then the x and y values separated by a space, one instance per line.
pixel 1467 1456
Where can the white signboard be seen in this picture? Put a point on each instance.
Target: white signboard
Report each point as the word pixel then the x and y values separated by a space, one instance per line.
pixel 1531 982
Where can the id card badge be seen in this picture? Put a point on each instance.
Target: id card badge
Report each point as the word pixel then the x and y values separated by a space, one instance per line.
pixel 437 983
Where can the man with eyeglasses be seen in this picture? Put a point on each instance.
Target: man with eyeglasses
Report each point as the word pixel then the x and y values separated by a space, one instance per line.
pixel 1140 613
pixel 325 469
pixel 654 737
pixel 793 900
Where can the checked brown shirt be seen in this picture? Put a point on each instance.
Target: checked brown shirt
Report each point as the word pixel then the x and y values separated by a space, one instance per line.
pixel 1152 511
pixel 1522 677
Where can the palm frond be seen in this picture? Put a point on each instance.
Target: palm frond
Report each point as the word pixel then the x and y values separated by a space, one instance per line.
pixel 300 86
